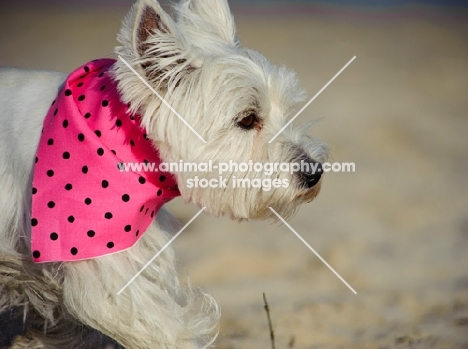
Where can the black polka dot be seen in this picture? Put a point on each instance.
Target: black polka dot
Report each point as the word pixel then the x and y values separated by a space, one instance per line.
pixel 142 208
pixel 34 222
pixel 128 228
pixel 54 102
pixel 108 215
pixel 132 143
pixel 131 117
pixel 88 201
pixel 101 75
pixel 50 173
pixel 50 141
pixel 80 84
pixel 68 92
pixel 110 244
pixel 55 112
pixel 51 204
pixel 37 159
pixel 146 211
pixel 152 214
pixel 81 137
pixel 142 180
pixel 86 69
pixel 87 115
pixel 34 191
pixel 146 162
pixel 113 152
pixel 162 178
pixel 65 123
pixel 66 155
pixel 105 103
pixel 74 251
pixel 125 198
pixel 91 233
pixel 159 193
pixel 84 169
pixel 118 123
pixel 68 187
pixel 100 152
pixel 98 133
pixel 102 87
pixel 137 232
pixel 36 254
pixel 71 219
pixel 81 98
pixel 104 184
pixel 146 137
pixel 53 236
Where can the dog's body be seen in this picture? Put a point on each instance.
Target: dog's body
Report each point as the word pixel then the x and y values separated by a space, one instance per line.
pixel 232 96
pixel 43 288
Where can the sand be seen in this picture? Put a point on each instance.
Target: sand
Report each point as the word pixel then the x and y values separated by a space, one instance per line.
pixel 396 230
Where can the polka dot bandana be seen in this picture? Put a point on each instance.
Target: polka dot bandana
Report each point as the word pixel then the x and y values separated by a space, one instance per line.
pixel 84 203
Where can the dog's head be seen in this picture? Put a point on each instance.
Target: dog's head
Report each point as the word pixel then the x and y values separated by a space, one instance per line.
pixel 229 96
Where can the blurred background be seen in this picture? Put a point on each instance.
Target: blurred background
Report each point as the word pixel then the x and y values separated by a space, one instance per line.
pixel 396 230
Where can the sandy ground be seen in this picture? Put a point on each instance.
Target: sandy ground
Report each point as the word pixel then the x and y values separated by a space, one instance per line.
pixel 396 230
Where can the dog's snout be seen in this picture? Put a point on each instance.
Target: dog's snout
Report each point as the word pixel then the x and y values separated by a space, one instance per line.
pixel 311 172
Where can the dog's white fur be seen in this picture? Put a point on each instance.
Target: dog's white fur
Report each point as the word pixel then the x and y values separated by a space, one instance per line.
pixel 196 62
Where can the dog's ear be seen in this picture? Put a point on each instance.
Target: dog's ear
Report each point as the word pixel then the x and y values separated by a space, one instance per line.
pixel 154 45
pixel 216 15
pixel 150 20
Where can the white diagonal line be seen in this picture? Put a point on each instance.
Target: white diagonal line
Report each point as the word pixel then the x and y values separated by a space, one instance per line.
pixel 313 98
pixel 162 99
pixel 310 248
pixel 160 251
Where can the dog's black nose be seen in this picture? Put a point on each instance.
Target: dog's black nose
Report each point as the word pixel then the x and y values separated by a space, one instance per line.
pixel 311 172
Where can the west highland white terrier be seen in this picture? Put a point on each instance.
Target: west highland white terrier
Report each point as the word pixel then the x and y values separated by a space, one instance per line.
pixel 75 226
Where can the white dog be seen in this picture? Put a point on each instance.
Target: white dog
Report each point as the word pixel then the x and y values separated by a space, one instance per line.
pixel 231 96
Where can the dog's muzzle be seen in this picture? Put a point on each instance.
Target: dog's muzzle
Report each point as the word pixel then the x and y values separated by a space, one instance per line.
pixel 310 175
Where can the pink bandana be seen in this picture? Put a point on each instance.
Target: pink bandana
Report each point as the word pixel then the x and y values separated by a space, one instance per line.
pixel 83 205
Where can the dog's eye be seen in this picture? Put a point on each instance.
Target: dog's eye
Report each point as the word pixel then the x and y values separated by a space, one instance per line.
pixel 248 122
